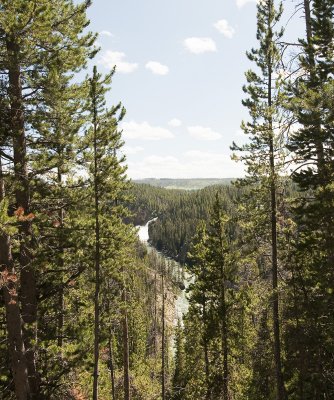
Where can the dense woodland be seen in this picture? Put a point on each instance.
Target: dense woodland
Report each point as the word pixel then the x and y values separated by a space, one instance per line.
pixel 86 310
pixel 178 214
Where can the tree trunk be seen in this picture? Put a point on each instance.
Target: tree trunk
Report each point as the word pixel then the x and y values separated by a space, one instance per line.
pixel 111 365
pixel 281 393
pixel 60 321
pixel 163 373
pixel 224 342
pixel 13 317
pixel 126 358
pixel 97 262
pixel 206 352
pixel 223 308
pixel 155 315
pixel 27 273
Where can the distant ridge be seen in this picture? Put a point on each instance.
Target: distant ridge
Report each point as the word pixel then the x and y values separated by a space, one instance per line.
pixel 185 184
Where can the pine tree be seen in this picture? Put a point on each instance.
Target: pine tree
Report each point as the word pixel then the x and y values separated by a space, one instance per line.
pixel 264 158
pixel 179 371
pixel 200 290
pixel 108 182
pixel 32 39
pixel 218 248
pixel 312 260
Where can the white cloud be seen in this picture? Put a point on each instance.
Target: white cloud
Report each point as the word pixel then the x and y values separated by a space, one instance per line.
pixel 199 45
pixel 157 68
pixel 192 164
pixel 175 123
pixel 106 33
pixel 145 131
pixel 225 28
pixel 128 150
pixel 203 133
pixel 111 58
pixel 241 3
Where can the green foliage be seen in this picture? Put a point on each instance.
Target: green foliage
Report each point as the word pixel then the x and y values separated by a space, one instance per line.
pixel 178 212
pixel 62 175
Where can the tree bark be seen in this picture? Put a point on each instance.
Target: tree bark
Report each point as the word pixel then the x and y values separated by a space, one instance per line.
pixel 13 316
pixel 223 308
pixel 224 340
pixel 112 367
pixel 97 258
pixel 155 315
pixel 126 358
pixel 281 392
pixel 206 351
pixel 163 372
pixel 22 194
pixel 61 267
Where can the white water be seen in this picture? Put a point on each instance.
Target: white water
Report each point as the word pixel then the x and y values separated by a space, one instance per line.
pixel 143 231
pixel 181 301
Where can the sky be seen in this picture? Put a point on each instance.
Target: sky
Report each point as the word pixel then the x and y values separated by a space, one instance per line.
pixel 179 73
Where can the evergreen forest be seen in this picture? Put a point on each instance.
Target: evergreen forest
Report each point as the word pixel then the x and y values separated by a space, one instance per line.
pixel 230 295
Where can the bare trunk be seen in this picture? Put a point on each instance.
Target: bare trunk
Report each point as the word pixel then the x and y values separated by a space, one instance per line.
pixel 155 315
pixel 223 308
pixel 281 392
pixel 13 317
pixel 126 358
pixel 206 352
pixel 27 274
pixel 111 365
pixel 97 265
pixel 224 340
pixel 61 267
pixel 163 358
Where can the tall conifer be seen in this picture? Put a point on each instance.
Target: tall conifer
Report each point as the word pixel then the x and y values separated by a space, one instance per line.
pixel 263 157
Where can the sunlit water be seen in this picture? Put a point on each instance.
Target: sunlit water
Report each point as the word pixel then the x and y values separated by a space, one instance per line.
pixel 181 301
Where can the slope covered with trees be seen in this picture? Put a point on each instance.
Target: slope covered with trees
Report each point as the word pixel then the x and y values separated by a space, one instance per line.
pixel 178 213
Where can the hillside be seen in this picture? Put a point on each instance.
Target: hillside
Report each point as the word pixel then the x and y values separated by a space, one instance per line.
pixel 184 184
pixel 179 212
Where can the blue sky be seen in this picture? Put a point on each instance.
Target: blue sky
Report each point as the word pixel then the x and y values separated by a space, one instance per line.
pixel 180 71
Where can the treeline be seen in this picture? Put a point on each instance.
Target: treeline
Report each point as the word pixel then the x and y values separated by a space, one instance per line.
pixel 184 184
pixel 261 318
pixel 80 304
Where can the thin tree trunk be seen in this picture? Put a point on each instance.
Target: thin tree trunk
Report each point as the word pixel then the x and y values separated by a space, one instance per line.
pixel 163 374
pixel 60 321
pixel 224 343
pixel 281 392
pixel 206 352
pixel 223 307
pixel 13 317
pixel 112 367
pixel 302 359
pixel 155 314
pixel 126 358
pixel 97 261
pixel 27 273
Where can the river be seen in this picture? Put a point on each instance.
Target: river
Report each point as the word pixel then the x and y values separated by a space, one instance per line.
pixel 181 303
